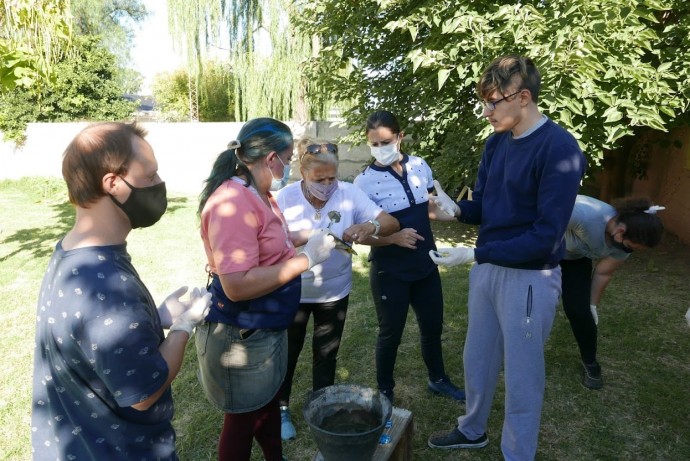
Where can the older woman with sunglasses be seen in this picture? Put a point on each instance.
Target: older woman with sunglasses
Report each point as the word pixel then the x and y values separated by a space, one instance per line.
pixel 319 200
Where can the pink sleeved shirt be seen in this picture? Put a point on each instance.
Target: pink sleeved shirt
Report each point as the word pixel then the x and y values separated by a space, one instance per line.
pixel 240 232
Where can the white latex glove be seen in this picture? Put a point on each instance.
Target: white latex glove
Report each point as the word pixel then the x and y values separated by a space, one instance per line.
pixel 318 247
pixel 452 256
pixel 444 202
pixel 593 308
pixel 172 307
pixel 197 309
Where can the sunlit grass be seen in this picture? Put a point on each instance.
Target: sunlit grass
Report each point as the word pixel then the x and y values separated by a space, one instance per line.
pixel 642 412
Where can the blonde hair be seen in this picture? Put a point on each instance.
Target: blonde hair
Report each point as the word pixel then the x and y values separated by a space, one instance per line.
pixel 308 159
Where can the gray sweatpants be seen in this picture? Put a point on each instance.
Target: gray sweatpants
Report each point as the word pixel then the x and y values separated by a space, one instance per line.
pixel 511 313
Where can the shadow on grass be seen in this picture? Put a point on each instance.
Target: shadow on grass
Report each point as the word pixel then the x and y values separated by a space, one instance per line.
pixel 40 241
pixel 176 203
pixel 452 233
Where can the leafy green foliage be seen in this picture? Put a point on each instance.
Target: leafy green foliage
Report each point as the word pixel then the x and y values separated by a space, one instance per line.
pixel 84 88
pixel 610 68
pixel 34 34
pixel 113 22
pixel 216 91
pixel 58 72
pixel 170 90
pixel 266 52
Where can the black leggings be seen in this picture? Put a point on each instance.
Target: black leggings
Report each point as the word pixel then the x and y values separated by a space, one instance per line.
pixel 576 282
pixel 392 298
pixel 329 321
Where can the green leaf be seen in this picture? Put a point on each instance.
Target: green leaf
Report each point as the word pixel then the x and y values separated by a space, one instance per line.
pixel 663 67
pixel 574 105
pixel 612 115
pixel 614 134
pixel 442 77
pixel 565 117
pixel 668 111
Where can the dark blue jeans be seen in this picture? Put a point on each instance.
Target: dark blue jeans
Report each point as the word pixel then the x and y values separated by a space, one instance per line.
pixel 392 298
pixel 329 321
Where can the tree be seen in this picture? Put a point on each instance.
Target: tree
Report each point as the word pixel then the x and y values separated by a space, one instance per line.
pixel 84 88
pixel 266 52
pixel 64 73
pixel 34 34
pixel 113 22
pixel 611 68
pixel 170 92
pixel 216 89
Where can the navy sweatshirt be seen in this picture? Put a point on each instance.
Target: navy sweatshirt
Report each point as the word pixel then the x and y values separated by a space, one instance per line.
pixel 524 196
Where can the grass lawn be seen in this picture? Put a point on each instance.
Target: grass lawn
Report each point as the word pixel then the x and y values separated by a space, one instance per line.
pixel 642 413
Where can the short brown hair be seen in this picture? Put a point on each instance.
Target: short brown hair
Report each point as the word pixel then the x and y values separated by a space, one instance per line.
pixel 98 149
pixel 509 70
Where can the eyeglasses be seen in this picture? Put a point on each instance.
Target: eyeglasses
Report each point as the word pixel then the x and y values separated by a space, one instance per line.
pixel 491 105
pixel 322 148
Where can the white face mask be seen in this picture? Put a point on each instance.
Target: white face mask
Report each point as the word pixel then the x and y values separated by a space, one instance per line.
pixel 279 183
pixel 385 155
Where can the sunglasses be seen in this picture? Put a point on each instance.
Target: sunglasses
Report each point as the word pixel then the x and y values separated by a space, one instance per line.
pixel 322 148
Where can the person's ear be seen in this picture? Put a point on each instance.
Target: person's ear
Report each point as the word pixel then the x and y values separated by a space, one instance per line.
pixel 620 229
pixel 108 183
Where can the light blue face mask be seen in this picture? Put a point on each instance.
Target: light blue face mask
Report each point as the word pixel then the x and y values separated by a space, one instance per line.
pixel 277 184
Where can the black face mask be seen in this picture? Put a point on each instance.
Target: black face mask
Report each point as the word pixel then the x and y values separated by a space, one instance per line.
pixel 145 205
pixel 620 245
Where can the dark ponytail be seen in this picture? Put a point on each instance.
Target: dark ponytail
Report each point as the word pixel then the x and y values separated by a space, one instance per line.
pixel 642 225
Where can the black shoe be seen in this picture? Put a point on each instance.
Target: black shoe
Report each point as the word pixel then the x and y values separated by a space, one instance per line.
pixel 456 439
pixel 446 388
pixel 390 394
pixel 591 376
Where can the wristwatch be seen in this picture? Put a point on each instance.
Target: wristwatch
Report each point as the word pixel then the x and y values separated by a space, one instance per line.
pixel 377 225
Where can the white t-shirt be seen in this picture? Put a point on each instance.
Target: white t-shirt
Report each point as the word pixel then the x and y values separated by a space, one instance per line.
pixel 332 279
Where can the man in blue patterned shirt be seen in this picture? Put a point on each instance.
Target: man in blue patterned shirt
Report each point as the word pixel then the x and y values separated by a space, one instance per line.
pixel 102 364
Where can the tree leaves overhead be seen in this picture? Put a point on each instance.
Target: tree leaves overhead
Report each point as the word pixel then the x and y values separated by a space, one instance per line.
pixel 111 20
pixel 34 34
pixel 609 67
pixel 84 89
pixel 215 94
pixel 65 61
pixel 265 51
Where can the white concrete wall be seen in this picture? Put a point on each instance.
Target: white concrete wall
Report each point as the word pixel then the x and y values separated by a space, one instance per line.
pixel 185 151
